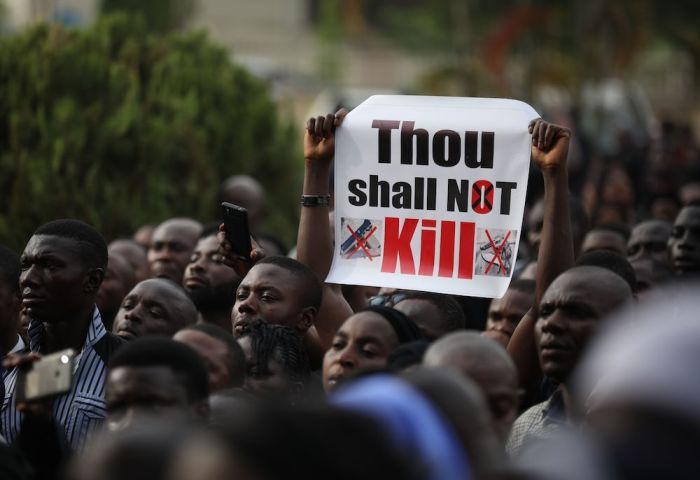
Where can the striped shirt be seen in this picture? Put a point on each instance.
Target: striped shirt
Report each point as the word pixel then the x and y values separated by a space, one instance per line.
pixel 81 410
pixel 9 424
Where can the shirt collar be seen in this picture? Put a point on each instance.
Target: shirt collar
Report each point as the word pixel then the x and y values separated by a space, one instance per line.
pixel 96 330
pixel 19 346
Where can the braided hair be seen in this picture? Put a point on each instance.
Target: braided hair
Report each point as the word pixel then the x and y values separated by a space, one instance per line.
pixel 280 343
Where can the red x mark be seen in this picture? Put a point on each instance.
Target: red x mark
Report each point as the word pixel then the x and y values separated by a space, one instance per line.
pixel 497 252
pixel 361 242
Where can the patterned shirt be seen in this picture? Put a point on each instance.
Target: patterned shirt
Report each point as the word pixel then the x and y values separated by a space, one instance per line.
pixel 536 423
pixel 10 423
pixel 82 409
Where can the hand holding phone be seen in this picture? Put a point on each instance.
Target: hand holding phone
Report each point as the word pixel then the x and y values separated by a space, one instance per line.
pixel 237 229
pixel 49 376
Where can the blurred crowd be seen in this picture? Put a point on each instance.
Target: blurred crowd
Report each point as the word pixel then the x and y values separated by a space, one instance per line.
pixel 195 362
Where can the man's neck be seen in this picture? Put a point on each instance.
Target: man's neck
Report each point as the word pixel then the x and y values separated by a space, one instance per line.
pixel 220 318
pixel 69 333
pixel 568 400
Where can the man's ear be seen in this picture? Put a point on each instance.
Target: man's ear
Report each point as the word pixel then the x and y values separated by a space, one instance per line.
pixel 306 319
pixel 94 280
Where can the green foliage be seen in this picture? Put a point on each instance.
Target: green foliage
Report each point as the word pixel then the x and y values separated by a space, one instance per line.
pixel 120 128
pixel 160 15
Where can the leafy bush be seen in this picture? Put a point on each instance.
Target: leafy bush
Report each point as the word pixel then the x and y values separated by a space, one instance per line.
pixel 121 127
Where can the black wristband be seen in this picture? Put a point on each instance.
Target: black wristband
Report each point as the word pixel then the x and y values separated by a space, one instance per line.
pixel 315 200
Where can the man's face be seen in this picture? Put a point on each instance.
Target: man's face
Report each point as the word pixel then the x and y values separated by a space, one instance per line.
pixel 604 240
pixel 55 283
pixel 363 342
pixel 135 393
pixel 170 251
pixel 271 381
pixel 684 243
pixel 270 294
pixel 214 353
pixel 649 240
pixel 569 315
pixel 119 279
pixel 151 308
pixel 430 320
pixel 208 281
pixel 506 312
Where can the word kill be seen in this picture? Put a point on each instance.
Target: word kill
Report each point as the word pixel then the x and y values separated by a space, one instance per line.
pixel 435 257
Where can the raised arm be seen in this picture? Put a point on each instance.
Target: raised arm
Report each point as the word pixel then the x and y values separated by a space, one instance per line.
pixel 550 147
pixel 314 244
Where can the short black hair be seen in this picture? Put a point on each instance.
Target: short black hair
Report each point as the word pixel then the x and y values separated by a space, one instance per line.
pixel 154 351
pixel 445 304
pixel 93 247
pixel 312 293
pixel 612 261
pixel 523 285
pixel 236 361
pixel 280 342
pixel 10 269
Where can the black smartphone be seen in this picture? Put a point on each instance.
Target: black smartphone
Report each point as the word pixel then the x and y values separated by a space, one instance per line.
pixel 237 230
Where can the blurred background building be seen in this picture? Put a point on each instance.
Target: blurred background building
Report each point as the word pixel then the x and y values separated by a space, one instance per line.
pixel 640 56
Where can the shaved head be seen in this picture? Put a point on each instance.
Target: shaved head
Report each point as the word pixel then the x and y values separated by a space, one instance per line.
pixel 246 192
pixel 487 363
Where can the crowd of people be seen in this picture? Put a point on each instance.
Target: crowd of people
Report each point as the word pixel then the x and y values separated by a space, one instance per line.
pixel 194 362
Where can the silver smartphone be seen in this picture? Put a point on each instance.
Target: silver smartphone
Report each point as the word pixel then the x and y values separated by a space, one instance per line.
pixel 49 377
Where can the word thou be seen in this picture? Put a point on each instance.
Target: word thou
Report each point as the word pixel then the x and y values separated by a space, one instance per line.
pixel 446 145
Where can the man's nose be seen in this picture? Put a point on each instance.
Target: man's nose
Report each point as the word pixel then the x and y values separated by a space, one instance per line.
pixel 29 277
pixel 554 323
pixel 134 315
pixel 685 242
pixel 248 305
pixel 347 358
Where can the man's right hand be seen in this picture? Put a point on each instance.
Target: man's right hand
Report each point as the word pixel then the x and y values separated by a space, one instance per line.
pixel 241 265
pixel 25 361
pixel 319 137
pixel 550 144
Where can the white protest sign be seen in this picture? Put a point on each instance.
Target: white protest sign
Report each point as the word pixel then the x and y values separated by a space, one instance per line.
pixel 430 193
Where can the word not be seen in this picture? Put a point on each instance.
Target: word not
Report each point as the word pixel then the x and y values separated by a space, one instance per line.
pixel 446 145
pixel 398 250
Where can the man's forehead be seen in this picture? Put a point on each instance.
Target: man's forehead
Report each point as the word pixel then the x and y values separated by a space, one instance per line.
pixel 175 231
pixel 207 245
pixel 157 290
pixel 689 216
pixel 52 244
pixel 270 274
pixel 650 231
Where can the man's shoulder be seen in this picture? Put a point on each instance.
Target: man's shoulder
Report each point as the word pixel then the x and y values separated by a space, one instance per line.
pixel 107 345
pixel 529 422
